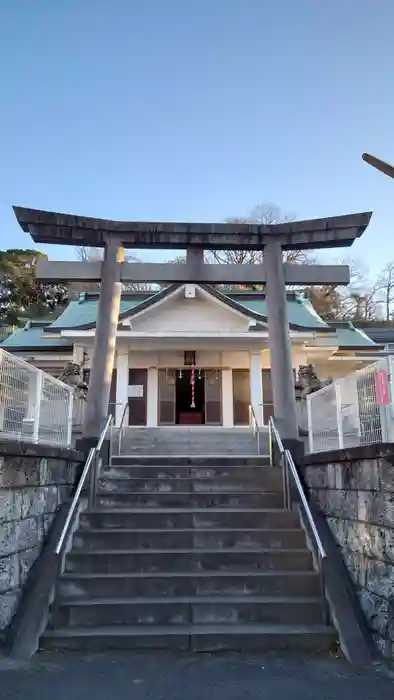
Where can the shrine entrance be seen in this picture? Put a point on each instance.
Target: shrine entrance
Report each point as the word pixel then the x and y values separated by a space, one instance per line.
pixel 190 397
pixel 176 393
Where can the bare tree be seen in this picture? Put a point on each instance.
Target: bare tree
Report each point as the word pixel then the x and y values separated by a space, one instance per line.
pixel 85 254
pixel 262 214
pixel 266 214
pixel 359 307
pixel 359 301
pixel 326 300
pixel 88 254
pixel 385 287
pixel 270 214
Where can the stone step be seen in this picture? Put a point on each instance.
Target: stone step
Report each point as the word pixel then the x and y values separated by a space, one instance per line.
pixel 190 450
pixel 210 473
pixel 198 439
pixel 190 443
pixel 185 435
pixel 204 583
pixel 197 461
pixel 174 518
pixel 185 429
pixel 155 539
pixel 192 637
pixel 189 547
pixel 130 499
pixel 186 560
pixel 199 610
pixel 112 481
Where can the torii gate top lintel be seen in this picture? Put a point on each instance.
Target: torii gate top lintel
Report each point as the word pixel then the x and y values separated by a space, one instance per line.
pixel 67 229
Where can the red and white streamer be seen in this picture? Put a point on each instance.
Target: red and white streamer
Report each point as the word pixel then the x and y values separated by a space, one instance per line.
pixel 193 381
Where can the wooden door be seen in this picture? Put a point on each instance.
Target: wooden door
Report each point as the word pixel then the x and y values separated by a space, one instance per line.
pixel 166 397
pixel 241 396
pixel 138 381
pixel 213 397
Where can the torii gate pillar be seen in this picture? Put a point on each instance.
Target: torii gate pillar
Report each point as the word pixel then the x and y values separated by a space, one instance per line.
pixel 104 341
pixel 285 410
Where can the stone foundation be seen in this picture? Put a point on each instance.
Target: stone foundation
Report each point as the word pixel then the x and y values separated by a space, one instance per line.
pixel 34 481
pixel 355 490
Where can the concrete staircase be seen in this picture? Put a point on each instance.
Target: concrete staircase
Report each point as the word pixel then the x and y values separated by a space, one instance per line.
pixel 189 553
pixel 196 440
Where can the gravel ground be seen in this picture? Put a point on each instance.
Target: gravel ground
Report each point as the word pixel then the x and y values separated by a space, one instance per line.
pixel 162 676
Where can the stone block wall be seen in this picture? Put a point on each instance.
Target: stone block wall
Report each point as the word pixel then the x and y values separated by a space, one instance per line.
pixel 34 481
pixel 355 490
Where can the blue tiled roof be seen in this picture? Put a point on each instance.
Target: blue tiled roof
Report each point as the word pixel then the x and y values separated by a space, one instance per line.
pixel 382 335
pixel 33 337
pixel 78 313
pixel 353 337
pixel 84 311
pixel 301 313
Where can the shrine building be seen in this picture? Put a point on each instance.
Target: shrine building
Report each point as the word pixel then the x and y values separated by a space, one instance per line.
pixel 192 354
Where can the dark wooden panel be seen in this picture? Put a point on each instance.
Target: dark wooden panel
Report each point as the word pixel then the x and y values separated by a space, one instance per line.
pixel 213 413
pixel 241 396
pixel 166 412
pixel 166 397
pixel 268 412
pixel 241 413
pixel 138 404
pixel 213 397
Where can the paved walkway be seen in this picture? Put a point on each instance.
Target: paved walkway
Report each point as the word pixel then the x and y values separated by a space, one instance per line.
pixel 161 676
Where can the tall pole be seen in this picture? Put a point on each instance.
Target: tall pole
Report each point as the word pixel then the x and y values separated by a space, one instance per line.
pixel 105 340
pixel 379 164
pixel 283 391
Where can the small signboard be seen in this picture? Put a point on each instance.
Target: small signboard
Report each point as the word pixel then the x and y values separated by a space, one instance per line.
pixel 382 388
pixel 136 391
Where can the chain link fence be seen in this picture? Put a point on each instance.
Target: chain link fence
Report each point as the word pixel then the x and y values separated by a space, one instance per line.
pixel 354 410
pixel 33 405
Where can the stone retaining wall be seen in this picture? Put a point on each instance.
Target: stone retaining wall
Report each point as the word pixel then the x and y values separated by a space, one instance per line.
pixel 355 490
pixel 34 481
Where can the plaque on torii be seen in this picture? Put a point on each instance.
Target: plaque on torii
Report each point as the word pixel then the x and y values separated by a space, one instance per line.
pixel 114 236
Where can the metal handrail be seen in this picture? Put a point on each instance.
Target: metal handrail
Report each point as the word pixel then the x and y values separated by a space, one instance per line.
pixel 255 426
pixel 289 463
pixel 273 432
pixel 93 456
pixel 301 492
pixel 289 467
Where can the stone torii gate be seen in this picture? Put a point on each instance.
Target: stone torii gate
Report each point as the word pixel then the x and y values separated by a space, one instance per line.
pixel 114 236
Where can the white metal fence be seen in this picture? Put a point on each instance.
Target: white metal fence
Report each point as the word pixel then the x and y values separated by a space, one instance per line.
pixel 33 405
pixel 354 410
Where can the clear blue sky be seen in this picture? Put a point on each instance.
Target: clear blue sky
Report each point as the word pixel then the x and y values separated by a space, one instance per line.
pixel 197 110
